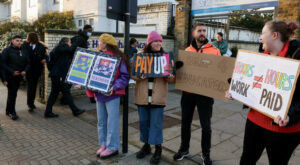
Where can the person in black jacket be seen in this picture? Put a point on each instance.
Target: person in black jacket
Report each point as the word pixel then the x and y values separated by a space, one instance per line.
pixel 36 52
pixel 133 50
pixel 16 65
pixel 61 58
pixel 81 41
pixel 2 72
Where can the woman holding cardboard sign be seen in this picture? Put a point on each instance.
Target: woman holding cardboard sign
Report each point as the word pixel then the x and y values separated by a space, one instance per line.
pixel 151 97
pixel 280 137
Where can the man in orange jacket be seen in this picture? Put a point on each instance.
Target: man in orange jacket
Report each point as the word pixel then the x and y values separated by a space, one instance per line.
pixel 204 104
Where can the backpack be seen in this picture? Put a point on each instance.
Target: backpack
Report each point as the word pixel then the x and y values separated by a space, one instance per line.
pixel 51 59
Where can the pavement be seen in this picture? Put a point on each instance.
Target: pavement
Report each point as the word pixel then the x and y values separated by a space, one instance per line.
pixel 73 140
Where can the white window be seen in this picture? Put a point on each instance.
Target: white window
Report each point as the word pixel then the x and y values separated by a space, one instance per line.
pixel 32 3
pixel 86 21
pixel 18 5
pixel 55 1
pixel 91 21
pixel 80 23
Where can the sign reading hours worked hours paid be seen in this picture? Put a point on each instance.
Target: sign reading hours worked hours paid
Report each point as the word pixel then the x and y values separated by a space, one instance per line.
pixel 264 82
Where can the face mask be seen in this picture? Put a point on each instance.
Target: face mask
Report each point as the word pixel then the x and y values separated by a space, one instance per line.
pixel 89 34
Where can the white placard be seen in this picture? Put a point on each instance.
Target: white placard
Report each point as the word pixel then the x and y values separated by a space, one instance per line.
pixel 264 82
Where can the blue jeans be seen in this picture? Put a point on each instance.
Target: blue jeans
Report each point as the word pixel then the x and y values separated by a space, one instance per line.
pixel 108 124
pixel 151 125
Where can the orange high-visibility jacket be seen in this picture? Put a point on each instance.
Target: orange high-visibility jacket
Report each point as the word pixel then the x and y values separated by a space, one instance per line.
pixel 206 49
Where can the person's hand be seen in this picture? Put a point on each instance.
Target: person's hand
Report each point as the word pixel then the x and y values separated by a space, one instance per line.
pixel 228 95
pixel 143 77
pixel 171 76
pixel 23 73
pixel 77 86
pixel 281 123
pixel 16 73
pixel 43 61
pixel 5 83
pixel 110 92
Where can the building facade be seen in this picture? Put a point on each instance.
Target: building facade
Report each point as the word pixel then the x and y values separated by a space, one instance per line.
pixel 91 12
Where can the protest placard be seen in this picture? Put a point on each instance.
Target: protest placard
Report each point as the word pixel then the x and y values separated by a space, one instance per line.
pixel 153 65
pixel 93 70
pixel 204 74
pixel 80 68
pixel 102 74
pixel 264 82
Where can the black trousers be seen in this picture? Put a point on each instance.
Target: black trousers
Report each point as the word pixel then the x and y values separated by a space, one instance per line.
pixel 204 106
pixel 58 85
pixel 279 146
pixel 32 82
pixel 13 84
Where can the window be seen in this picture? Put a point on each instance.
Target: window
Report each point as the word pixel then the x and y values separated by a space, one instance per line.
pixel 86 21
pixel 91 21
pixel 55 1
pixel 32 3
pixel 80 23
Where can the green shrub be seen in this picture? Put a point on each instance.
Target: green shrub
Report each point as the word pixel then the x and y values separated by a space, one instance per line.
pixel 50 20
pixel 6 38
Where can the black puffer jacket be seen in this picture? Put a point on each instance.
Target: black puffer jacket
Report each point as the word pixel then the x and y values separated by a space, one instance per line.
pixel 14 59
pixel 294 111
pixel 81 40
pixel 35 56
pixel 62 58
pixel 2 72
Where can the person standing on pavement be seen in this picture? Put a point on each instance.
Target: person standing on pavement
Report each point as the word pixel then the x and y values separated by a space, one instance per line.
pixel 16 65
pixel 133 50
pixel 220 43
pixel 61 58
pixel 280 137
pixel 151 97
pixel 81 41
pixel 2 72
pixel 108 105
pixel 36 51
pixel 204 104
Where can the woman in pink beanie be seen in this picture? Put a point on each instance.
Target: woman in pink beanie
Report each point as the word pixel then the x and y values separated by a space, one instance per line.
pixel 151 96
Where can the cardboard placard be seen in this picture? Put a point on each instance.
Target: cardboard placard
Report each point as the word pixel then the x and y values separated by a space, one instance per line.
pixel 204 74
pixel 93 70
pixel 153 65
pixel 264 82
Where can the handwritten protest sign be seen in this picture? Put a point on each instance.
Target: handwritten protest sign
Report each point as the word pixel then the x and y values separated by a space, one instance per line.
pixel 153 64
pixel 264 82
pixel 93 70
pixel 204 74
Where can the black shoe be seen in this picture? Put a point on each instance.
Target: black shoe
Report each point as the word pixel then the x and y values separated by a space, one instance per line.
pixel 13 116
pixel 31 110
pixel 78 112
pixel 181 155
pixel 146 150
pixel 50 115
pixel 157 155
pixel 206 159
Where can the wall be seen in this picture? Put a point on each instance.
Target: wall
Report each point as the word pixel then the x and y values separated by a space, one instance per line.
pixel 153 17
pixel 52 37
pixel 5 12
